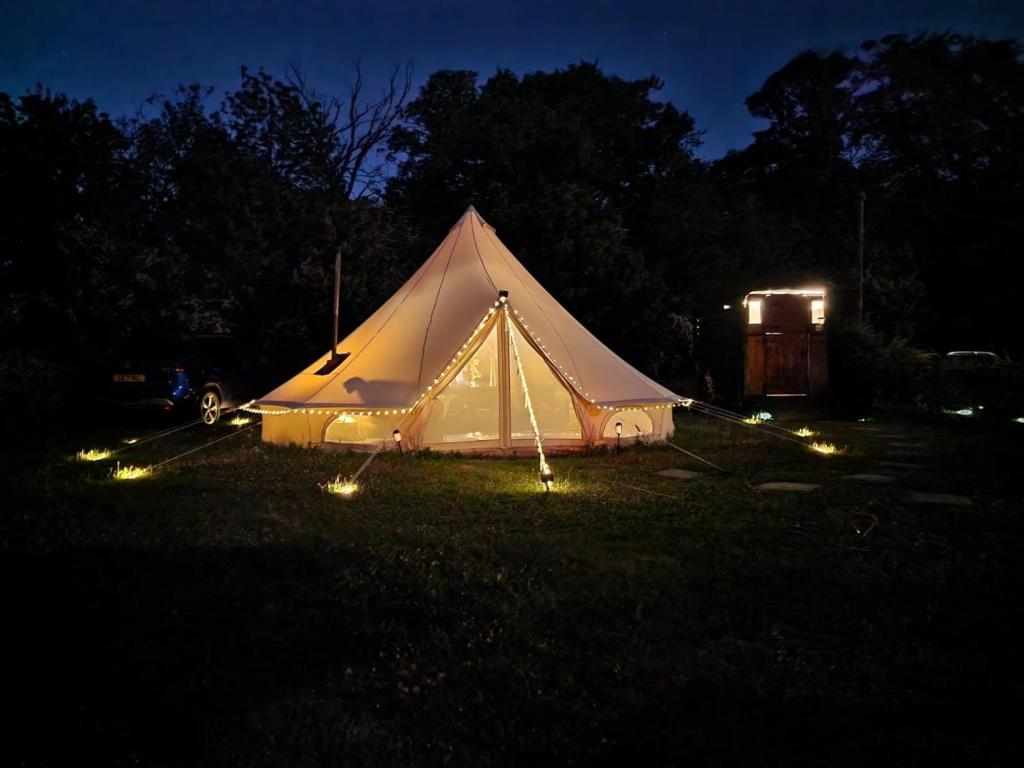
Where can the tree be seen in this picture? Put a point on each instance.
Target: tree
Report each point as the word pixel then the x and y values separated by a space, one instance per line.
pixel 565 164
pixel 931 128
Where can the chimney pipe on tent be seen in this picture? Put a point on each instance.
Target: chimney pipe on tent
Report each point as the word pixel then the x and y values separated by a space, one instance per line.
pixel 335 359
pixel 337 300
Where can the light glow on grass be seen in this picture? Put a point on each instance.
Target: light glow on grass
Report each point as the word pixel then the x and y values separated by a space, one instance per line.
pixel 131 440
pixel 130 472
pixel 806 432
pixel 240 421
pixel 93 454
pixel 752 420
pixel 827 448
pixel 1019 420
pixel 340 486
pixel 763 416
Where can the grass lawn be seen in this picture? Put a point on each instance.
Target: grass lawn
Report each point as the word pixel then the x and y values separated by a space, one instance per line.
pixel 227 611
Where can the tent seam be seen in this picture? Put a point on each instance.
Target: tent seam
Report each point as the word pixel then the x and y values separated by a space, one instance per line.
pixel 554 327
pixel 430 321
pixel 480 258
pixel 568 351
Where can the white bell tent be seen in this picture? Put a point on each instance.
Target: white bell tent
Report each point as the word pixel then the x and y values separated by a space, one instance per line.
pixel 471 354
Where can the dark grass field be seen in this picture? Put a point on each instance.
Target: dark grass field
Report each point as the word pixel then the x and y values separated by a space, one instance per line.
pixel 227 611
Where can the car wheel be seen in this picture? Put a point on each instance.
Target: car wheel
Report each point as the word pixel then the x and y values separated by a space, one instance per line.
pixel 209 408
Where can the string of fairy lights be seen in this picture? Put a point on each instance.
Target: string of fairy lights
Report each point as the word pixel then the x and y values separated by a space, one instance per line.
pixel 469 344
pixel 440 379
pixel 546 475
pixel 566 375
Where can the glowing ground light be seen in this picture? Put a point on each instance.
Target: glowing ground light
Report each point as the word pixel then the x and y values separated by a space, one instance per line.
pixel 752 420
pixel 130 472
pixel 959 411
pixel 340 486
pixel 547 477
pixel 93 454
pixel 239 421
pixel 826 448
pixel 1019 420
pixel 806 432
pixel 763 416
pixel 131 440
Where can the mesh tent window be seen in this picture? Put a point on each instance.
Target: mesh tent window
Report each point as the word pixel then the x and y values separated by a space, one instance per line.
pixel 467 409
pixel 349 428
pixel 630 419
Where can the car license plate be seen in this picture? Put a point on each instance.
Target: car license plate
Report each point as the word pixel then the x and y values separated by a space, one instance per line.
pixel 129 377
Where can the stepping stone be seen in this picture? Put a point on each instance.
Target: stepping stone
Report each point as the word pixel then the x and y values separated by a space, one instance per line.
pixel 904 465
pixel 920 497
pixel 787 486
pixel 679 474
pixel 867 477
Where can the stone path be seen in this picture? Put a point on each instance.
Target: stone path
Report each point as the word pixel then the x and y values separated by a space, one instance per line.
pixel 949 499
pixel 679 474
pixel 868 477
pixel 787 486
pixel 904 465
pixel 893 447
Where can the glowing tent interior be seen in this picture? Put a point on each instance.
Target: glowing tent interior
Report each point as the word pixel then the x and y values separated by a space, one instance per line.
pixel 450 358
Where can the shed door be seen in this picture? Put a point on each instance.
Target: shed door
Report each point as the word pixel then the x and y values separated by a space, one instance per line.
pixel 785 364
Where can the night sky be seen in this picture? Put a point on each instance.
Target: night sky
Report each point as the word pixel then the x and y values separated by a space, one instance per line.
pixel 711 54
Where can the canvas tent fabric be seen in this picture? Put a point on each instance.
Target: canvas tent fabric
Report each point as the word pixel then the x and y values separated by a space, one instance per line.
pixel 435 361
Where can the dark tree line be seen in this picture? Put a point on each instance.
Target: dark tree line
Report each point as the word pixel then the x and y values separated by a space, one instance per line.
pixel 197 216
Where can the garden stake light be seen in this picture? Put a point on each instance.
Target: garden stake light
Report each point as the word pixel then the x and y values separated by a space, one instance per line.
pixel 348 487
pixel 618 436
pixel 340 487
pixel 93 454
pixel 397 435
pixel 130 472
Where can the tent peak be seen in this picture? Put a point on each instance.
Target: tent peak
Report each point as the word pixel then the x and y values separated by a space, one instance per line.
pixel 471 211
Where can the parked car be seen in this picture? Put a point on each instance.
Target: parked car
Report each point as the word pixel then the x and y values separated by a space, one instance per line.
pixel 200 377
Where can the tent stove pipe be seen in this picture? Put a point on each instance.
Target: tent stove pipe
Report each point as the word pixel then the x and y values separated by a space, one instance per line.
pixel 337 301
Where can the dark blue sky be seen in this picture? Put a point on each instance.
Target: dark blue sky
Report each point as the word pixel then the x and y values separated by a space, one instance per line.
pixel 711 54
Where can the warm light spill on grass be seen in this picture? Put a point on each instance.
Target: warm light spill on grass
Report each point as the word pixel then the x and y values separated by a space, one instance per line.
pixel 93 454
pixel 340 486
pixel 240 421
pixel 130 472
pixel 806 432
pixel 752 420
pixel 826 448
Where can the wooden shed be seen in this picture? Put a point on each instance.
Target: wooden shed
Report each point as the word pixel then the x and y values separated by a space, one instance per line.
pixel 785 353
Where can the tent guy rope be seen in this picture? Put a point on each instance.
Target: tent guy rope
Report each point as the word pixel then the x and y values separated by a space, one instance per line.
pixel 546 475
pixel 207 444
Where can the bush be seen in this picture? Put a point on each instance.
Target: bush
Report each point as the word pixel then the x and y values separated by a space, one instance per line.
pixel 32 388
pixel 871 370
